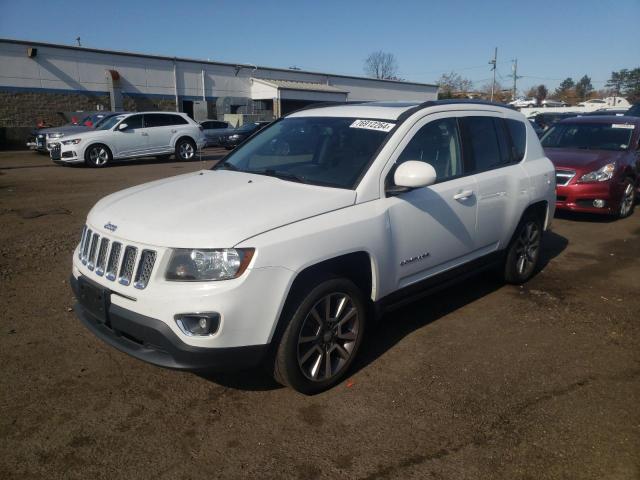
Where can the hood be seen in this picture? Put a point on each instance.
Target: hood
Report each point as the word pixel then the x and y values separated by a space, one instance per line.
pixel 581 159
pixel 212 208
pixel 66 129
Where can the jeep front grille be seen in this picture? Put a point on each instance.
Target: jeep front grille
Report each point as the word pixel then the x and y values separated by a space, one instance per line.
pixel 115 260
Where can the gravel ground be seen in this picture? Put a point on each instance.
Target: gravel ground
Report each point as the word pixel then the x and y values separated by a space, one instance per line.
pixel 481 381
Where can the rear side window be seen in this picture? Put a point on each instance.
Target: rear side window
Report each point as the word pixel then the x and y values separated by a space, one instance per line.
pixel 518 133
pixel 162 120
pixel 482 143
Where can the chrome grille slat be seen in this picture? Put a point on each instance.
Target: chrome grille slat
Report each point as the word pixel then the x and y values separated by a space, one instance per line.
pixel 128 263
pixel 102 256
pixel 114 261
pixel 91 261
pixel 85 247
pixel 145 267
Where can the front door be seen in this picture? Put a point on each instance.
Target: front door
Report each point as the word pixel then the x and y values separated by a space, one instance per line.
pixel 433 227
pixel 133 140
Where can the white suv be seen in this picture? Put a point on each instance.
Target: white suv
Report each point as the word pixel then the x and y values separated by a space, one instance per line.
pixel 282 253
pixel 132 135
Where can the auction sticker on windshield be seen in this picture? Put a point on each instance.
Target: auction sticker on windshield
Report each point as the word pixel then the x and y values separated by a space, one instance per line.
pixel 622 125
pixel 373 125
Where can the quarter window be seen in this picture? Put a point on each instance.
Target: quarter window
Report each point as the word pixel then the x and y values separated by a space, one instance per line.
pixel 438 144
pixel 518 133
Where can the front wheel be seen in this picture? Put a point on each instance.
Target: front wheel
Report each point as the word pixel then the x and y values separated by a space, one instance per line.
pixel 97 156
pixel 523 253
pixel 628 201
pixel 185 149
pixel 322 337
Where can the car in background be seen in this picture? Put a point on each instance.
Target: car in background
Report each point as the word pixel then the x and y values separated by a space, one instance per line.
pixel 634 111
pixel 524 102
pixel 214 130
pixel 597 163
pixel 132 135
pixel 240 134
pixel 597 102
pixel 546 120
pixel 548 102
pixel 43 137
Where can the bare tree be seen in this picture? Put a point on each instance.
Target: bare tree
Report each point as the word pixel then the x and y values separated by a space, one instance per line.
pixel 381 65
pixel 452 84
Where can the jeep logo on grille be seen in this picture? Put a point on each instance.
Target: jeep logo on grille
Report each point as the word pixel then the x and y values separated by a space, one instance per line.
pixel 111 227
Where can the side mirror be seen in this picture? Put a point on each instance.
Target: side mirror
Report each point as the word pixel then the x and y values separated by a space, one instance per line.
pixel 122 126
pixel 414 174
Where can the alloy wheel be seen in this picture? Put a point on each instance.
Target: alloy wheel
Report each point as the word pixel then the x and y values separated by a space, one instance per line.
pixel 186 151
pixel 627 200
pixel 528 248
pixel 99 156
pixel 328 337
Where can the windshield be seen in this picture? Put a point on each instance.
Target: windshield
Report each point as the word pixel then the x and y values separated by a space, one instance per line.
pixel 318 150
pixel 590 136
pixel 110 122
pixel 100 121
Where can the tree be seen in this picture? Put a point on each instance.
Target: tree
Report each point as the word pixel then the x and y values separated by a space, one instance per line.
pixel 381 65
pixel 626 83
pixel 453 83
pixel 500 93
pixel 583 88
pixel 541 93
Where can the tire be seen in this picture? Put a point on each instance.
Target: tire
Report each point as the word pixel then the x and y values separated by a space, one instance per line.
pixel 163 158
pixel 185 149
pixel 628 201
pixel 320 342
pixel 523 253
pixel 97 156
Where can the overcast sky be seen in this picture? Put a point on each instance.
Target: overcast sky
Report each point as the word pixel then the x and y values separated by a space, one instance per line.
pixel 551 39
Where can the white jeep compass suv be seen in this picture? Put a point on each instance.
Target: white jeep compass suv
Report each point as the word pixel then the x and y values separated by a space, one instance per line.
pixel 285 251
pixel 131 135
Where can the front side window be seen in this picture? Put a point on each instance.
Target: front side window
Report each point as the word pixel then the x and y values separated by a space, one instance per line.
pixel 589 136
pixel 482 140
pixel 133 122
pixel 438 144
pixel 330 151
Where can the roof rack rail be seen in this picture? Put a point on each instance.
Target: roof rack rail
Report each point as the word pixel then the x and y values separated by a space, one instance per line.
pixel 432 103
pixel 327 104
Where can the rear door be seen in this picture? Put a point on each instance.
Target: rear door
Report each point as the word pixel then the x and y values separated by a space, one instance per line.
pixel 161 128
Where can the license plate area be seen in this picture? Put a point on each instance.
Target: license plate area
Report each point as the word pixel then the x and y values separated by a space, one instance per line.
pixel 94 299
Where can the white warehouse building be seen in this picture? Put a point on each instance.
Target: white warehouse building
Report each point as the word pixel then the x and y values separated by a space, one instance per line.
pixel 39 80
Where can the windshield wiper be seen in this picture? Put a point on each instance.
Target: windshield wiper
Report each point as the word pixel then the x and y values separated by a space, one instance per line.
pixel 226 166
pixel 283 175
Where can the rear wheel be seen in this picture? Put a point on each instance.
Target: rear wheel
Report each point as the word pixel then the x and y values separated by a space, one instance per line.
pixel 322 337
pixel 185 149
pixel 523 253
pixel 628 201
pixel 98 156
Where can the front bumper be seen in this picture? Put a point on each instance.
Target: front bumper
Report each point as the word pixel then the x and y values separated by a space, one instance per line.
pixel 579 197
pixel 152 341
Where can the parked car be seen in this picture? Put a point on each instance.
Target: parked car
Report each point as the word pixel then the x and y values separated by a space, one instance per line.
pixel 634 111
pixel 281 254
pixel 549 102
pixel 132 135
pixel 43 137
pixel 214 130
pixel 240 134
pixel 546 120
pixel 597 163
pixel 524 102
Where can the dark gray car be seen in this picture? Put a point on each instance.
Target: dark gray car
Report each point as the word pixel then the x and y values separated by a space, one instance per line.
pixel 44 136
pixel 214 130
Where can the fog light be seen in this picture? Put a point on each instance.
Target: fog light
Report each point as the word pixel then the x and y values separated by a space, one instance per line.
pixel 198 324
pixel 598 203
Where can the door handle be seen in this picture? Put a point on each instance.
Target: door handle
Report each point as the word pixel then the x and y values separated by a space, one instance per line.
pixel 463 195
pixel 145 134
pixel 174 131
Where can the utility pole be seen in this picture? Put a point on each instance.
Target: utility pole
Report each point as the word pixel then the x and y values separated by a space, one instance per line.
pixel 78 40
pixel 515 78
pixel 493 67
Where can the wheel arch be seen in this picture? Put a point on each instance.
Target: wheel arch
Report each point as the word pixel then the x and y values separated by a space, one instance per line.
pixel 93 144
pixel 184 137
pixel 357 266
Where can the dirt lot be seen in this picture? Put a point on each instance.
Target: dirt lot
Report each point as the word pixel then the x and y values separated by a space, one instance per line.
pixel 481 381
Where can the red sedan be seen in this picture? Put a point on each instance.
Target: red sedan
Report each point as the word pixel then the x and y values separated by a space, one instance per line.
pixel 597 160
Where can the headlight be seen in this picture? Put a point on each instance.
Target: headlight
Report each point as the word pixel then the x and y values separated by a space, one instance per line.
pixel 601 175
pixel 55 135
pixel 208 264
pixel 234 137
pixel 75 141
